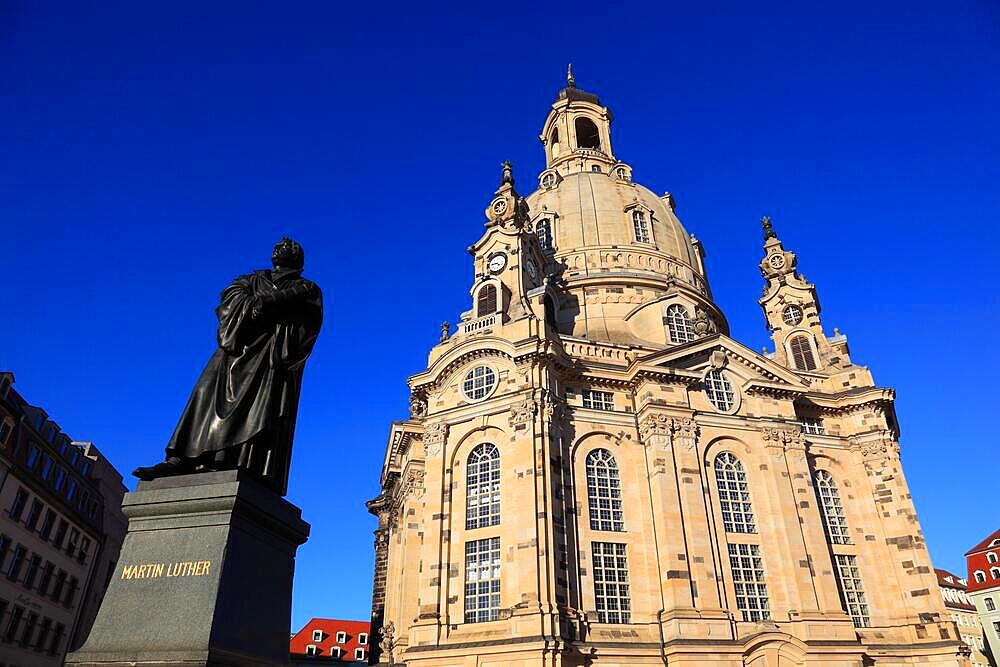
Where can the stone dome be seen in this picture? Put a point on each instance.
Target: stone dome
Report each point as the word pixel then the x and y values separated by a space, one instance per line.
pixel 587 210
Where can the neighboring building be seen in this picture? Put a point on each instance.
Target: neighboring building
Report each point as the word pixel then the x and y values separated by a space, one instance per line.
pixel 963 612
pixel 594 472
pixel 984 588
pixel 61 529
pixel 331 640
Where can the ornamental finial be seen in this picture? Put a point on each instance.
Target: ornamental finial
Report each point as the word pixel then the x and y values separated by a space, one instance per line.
pixel 570 81
pixel 765 222
pixel 508 173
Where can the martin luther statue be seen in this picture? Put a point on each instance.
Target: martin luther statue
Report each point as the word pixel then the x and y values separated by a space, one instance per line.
pixel 241 413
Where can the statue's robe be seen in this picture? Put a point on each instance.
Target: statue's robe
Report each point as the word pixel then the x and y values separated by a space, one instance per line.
pixel 242 411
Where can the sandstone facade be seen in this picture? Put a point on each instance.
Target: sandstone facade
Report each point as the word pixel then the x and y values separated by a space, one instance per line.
pixel 593 472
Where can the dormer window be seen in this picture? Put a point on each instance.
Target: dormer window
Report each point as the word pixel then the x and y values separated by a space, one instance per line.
pixel 587 134
pixel 486 302
pixel 640 226
pixel 363 638
pixel 991 557
pixel 621 173
pixel 311 649
pixel 341 637
pixel 317 635
pixel 679 324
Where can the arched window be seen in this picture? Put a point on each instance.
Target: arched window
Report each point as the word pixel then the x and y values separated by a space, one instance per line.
pixel 679 324
pixel 543 231
pixel 482 487
pixel 734 495
pixel 604 491
pixel 980 577
pixel 802 354
pixel 833 511
pixel 486 304
pixel 550 312
pixel 555 142
pixel 640 226
pixel 587 135
pixel 991 557
pixel 995 572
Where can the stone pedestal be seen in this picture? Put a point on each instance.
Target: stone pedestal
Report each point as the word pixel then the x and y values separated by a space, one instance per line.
pixel 204 577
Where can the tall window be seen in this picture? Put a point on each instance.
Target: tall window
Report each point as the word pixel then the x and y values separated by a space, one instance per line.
pixel 802 354
pixel 482 580
pixel 543 230
pixel 849 578
pixel 604 491
pixel 482 504
pixel 748 582
pixel 611 589
pixel 679 324
pixel 486 304
pixel 640 226
pixel 990 606
pixel 833 511
pixel 995 572
pixel 734 495
pixel 587 135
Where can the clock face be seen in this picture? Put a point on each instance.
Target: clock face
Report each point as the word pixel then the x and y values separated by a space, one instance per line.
pixel 530 268
pixel 497 262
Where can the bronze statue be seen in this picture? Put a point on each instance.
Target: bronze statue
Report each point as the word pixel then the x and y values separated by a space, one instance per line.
pixel 242 411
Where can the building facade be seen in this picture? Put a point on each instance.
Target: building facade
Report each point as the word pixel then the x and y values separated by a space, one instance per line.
pixel 594 472
pixel 330 640
pixel 984 589
pixel 963 612
pixel 61 529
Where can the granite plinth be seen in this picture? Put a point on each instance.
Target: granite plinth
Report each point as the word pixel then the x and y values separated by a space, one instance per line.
pixel 204 577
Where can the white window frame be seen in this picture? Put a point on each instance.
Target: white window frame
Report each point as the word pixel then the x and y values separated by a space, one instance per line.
pixel 482 566
pixel 735 501
pixel 595 399
pixel 679 324
pixel 335 651
pixel 317 635
pixel 604 492
pixel 642 225
pixel 612 595
pixel 480 387
pixel 720 391
pixel 831 507
pixel 359 654
pixel 341 637
pixel 749 581
pixel 995 573
pixel 363 638
pixel 979 576
pixel 482 487
pixel 991 557
pixel 812 425
pixel 990 605
pixel 311 649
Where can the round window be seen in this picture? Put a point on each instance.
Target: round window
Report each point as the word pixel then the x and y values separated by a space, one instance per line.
pixel 719 391
pixel 480 382
pixel 792 315
pixel 548 180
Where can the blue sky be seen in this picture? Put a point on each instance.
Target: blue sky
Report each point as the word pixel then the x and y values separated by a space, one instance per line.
pixel 150 152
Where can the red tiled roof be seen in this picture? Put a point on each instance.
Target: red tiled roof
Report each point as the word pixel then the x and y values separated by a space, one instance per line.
pixel 985 544
pixel 942 578
pixel 328 628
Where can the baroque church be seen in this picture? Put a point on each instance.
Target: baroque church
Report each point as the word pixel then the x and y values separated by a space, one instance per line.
pixel 594 473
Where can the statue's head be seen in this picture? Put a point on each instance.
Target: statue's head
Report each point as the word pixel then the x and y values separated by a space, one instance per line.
pixel 288 254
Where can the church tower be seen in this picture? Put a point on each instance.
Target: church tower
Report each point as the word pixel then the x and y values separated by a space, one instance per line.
pixel 594 473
